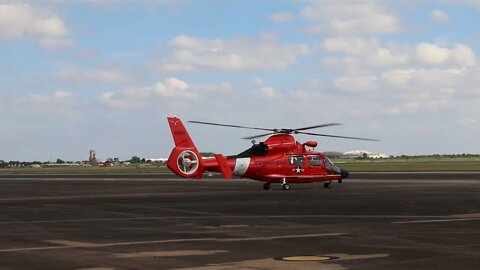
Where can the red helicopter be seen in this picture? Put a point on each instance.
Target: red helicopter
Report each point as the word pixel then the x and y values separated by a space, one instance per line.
pixel 278 159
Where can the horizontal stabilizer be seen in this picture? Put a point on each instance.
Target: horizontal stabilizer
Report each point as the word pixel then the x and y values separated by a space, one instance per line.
pixel 223 166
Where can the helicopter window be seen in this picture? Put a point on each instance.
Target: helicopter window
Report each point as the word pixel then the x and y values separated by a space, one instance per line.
pixel 296 160
pixel 315 161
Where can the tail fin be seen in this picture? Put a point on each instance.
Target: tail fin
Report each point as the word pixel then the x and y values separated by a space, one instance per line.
pixel 179 133
pixel 185 160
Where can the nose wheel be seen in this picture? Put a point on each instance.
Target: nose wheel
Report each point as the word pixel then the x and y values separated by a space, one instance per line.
pixel 285 185
pixel 327 185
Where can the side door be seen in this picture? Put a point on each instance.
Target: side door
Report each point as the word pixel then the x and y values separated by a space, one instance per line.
pixel 316 165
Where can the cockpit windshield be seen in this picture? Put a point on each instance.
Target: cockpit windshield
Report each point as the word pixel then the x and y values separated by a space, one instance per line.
pixel 328 162
pixel 330 166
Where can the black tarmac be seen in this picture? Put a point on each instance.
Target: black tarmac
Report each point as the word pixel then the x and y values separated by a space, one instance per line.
pixel 371 221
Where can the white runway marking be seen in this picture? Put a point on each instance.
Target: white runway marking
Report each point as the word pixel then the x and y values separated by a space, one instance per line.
pixel 451 218
pixel 172 253
pixel 212 216
pixel 65 244
pixel 278 237
pixel 435 220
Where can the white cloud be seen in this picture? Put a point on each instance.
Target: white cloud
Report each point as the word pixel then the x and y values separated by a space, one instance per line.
pixel 281 17
pixel 171 89
pixel 269 92
pixel 423 79
pixel 387 58
pixel 462 55
pixel 356 54
pixel 410 90
pixel 240 53
pixel 359 56
pixel 352 46
pixel 222 88
pixel 440 16
pixel 23 21
pixel 405 79
pixel 58 96
pixel 357 83
pixel 350 17
pixel 432 54
pixel 93 76
pixel 61 103
pixel 18 21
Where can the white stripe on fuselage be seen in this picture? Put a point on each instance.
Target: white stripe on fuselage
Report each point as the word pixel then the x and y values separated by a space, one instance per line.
pixel 241 166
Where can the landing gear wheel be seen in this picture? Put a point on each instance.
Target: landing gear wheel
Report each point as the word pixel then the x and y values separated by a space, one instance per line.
pixel 340 181
pixel 327 185
pixel 266 186
pixel 286 186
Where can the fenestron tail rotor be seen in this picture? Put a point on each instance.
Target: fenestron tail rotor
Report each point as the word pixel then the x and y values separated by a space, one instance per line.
pixel 285 130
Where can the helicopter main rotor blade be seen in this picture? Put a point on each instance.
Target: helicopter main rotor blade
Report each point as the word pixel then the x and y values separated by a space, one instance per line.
pixel 258 136
pixel 234 126
pixel 336 136
pixel 285 131
pixel 318 126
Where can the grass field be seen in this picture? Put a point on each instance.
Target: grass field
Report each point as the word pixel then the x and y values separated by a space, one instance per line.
pixel 354 165
pixel 408 165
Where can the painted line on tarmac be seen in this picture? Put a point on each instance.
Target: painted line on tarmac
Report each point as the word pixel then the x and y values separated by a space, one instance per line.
pixel 279 237
pixel 100 196
pixel 173 253
pixel 216 216
pixel 71 244
pixel 435 220
pixel 65 244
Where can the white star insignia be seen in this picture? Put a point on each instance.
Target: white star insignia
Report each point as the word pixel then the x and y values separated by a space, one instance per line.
pixel 298 170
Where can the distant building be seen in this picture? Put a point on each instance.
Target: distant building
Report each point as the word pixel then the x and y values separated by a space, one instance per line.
pixel 92 159
pixel 157 159
pixel 362 154
pixel 333 154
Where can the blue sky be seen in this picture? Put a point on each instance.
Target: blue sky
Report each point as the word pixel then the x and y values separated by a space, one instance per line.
pixel 104 75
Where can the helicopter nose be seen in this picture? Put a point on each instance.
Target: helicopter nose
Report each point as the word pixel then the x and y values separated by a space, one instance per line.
pixel 344 173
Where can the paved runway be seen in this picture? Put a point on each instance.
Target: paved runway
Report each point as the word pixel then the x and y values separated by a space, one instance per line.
pixel 135 222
